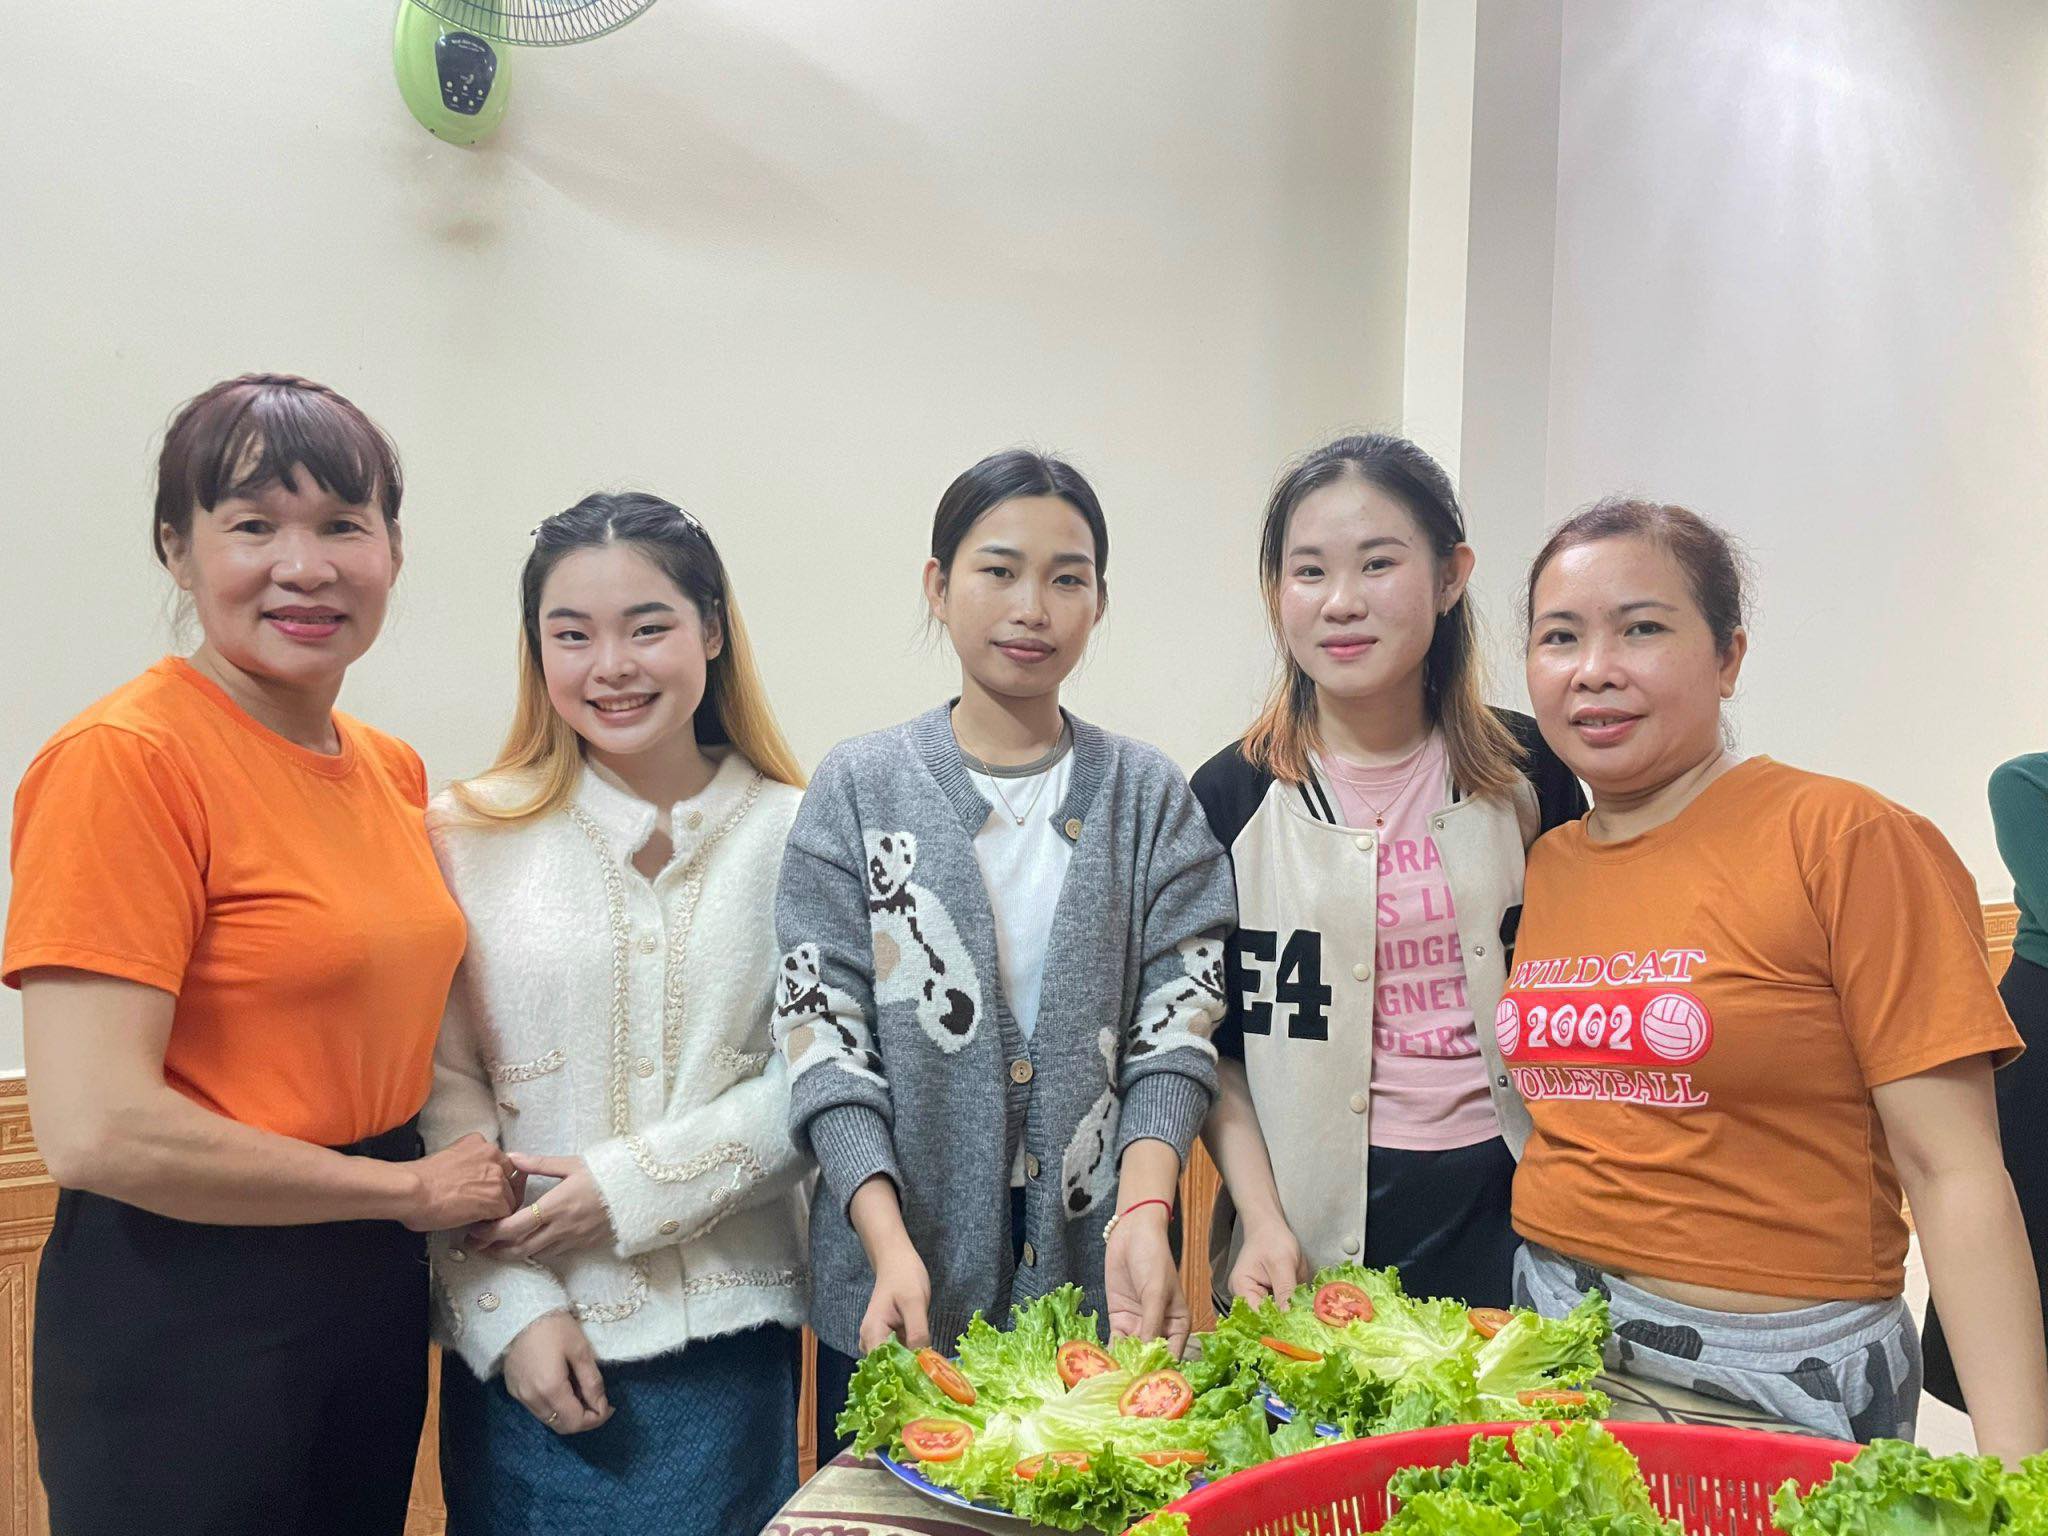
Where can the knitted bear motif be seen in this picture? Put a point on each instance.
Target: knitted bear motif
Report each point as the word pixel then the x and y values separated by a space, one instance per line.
pixel 1088 1168
pixel 1184 1010
pixel 816 1024
pixel 919 957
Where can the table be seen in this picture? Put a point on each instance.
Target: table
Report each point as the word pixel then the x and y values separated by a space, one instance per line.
pixel 857 1496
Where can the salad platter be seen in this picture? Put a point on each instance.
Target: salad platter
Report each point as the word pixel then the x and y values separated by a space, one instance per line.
pixel 1045 1421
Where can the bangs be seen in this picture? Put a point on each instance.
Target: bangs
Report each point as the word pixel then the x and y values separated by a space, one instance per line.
pixel 258 436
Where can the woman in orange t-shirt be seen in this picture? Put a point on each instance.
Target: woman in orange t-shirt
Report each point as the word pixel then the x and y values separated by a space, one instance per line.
pixel 1748 1009
pixel 233 946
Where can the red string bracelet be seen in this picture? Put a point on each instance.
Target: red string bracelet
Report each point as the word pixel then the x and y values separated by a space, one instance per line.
pixel 1110 1225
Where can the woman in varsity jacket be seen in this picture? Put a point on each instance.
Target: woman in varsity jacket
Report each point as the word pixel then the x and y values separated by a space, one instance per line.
pixel 1377 815
pixel 1003 958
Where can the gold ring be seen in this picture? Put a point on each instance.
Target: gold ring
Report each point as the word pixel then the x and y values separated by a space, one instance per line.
pixel 553 1414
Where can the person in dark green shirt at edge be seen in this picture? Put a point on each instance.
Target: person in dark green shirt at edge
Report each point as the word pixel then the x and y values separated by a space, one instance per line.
pixel 2019 816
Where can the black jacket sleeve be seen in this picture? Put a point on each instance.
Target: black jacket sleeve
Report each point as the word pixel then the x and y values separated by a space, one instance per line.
pixel 1230 790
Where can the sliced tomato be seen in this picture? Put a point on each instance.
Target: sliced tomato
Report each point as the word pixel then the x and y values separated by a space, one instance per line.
pixel 1187 1458
pixel 1156 1395
pixel 1031 1466
pixel 1536 1397
pixel 1078 1360
pixel 1490 1320
pixel 1291 1351
pixel 937 1439
pixel 946 1377
pixel 1341 1302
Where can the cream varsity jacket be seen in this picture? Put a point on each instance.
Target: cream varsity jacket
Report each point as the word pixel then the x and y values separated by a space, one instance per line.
pixel 626 1021
pixel 1307 892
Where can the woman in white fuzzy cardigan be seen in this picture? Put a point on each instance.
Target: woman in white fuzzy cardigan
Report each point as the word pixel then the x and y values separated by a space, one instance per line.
pixel 622 1348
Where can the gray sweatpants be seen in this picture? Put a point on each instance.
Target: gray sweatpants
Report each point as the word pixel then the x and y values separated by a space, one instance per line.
pixel 1847 1369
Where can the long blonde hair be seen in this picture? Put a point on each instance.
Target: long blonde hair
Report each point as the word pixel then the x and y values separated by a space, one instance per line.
pixel 542 755
pixel 1485 758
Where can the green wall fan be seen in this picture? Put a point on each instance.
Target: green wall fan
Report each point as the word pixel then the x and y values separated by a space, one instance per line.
pixel 450 54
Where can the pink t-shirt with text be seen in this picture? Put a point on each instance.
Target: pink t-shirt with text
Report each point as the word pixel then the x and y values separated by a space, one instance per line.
pixel 1428 1078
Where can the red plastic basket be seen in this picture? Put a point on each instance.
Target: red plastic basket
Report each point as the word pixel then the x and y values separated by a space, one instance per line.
pixel 1714 1481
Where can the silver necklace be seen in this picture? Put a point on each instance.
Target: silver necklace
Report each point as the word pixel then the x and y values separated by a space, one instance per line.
pixel 1010 810
pixel 1040 770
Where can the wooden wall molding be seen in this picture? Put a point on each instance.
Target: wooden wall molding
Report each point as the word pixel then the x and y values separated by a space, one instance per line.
pixel 28 1200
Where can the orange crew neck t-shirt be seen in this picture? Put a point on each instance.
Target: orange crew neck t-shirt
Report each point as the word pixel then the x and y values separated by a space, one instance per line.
pixel 289 900
pixel 1696 1018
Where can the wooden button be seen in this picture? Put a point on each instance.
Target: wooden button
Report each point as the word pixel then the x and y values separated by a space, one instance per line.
pixel 1073 827
pixel 1020 1071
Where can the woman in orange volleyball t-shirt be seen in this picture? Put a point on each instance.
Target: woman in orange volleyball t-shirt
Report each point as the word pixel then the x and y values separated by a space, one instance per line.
pixel 1748 1009
pixel 233 946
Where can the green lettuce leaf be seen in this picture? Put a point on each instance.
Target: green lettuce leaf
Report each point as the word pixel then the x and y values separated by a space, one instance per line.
pixel 1893 1488
pixel 1576 1480
pixel 1418 1362
pixel 887 1391
pixel 1023 1410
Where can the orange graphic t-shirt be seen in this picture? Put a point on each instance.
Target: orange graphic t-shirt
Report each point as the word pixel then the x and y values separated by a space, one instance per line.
pixel 1696 1017
pixel 287 899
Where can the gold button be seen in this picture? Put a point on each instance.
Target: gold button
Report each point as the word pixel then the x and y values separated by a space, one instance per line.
pixel 671 1227
pixel 1073 827
pixel 1020 1071
pixel 644 1067
pixel 1364 843
pixel 488 1302
pixel 1361 971
pixel 458 1255
pixel 1030 1257
pixel 1030 1166
pixel 1358 1103
pixel 694 820
pixel 649 944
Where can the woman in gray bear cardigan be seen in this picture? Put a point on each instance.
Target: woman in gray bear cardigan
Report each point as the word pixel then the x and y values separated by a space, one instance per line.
pixel 1002 932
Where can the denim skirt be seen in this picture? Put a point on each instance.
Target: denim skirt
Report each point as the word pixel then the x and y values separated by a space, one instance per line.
pixel 701 1442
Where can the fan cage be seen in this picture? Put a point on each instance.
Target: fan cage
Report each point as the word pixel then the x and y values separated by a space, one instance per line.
pixel 535 23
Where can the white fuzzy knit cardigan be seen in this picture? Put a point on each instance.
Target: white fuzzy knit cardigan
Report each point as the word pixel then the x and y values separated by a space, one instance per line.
pixel 626 1021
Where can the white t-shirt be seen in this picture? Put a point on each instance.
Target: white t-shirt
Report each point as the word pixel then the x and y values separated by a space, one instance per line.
pixel 1023 868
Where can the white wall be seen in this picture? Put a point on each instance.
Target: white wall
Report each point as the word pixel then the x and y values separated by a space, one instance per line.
pixel 793 264
pixel 1801 284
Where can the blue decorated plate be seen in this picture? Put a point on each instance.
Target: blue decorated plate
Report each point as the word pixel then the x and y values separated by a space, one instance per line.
pixel 1285 1415
pixel 931 1490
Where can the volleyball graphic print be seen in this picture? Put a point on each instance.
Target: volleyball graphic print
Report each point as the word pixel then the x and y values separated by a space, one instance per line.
pixel 1675 1027
pixel 1507 1026
pixel 1623 1028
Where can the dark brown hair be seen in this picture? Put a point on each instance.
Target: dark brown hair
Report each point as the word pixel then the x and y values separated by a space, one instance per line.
pixel 1716 571
pixel 1484 756
pixel 981 488
pixel 245 435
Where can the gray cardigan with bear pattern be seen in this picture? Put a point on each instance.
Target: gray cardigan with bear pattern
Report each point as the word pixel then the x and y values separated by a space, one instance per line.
pixel 902 1050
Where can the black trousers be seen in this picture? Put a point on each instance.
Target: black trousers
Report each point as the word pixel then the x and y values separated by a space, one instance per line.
pixel 2022 1100
pixel 1442 1219
pixel 229 1381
